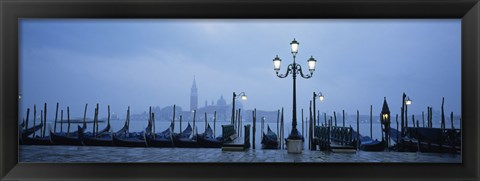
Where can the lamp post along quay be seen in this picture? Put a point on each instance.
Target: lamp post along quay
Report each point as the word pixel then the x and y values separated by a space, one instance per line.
pixel 243 96
pixel 320 97
pixel 295 139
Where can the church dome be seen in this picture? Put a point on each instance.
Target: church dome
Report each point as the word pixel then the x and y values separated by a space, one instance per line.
pixel 221 101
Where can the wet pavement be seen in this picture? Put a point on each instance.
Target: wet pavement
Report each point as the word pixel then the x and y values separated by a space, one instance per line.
pixel 47 154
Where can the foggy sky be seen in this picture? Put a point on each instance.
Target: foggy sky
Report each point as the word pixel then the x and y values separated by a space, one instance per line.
pixel 141 63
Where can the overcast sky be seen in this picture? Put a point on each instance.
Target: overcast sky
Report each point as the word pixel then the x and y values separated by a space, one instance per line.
pixel 141 63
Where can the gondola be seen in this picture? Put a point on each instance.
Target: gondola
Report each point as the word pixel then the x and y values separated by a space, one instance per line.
pixel 432 140
pixel 102 138
pixel 269 140
pixel 37 140
pixel 372 145
pixel 129 140
pixel 184 139
pixel 24 133
pixel 163 139
pixel 63 138
pixel 208 140
pixel 125 139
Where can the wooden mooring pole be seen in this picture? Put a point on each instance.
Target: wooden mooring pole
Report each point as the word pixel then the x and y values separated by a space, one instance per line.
pixel 325 118
pixel 34 118
pixel 68 121
pixel 371 123
pixel 423 119
pixel 451 119
pixel 278 123
pixel 194 116
pixel 343 117
pixel 94 120
pixel 44 119
pixel 396 119
pixel 335 116
pixel 84 115
pixel 180 123
pixel 41 121
pixel 443 114
pixel 303 133
pixel 214 123
pixel 318 118
pixel 282 141
pixel 254 122
pixel 28 114
pixel 239 123
pixel 206 121
pixel 413 120
pixel 61 121
pixel 358 130
pixel 310 131
pixel 153 125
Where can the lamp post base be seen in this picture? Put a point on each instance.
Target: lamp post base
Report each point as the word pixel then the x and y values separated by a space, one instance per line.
pixel 294 146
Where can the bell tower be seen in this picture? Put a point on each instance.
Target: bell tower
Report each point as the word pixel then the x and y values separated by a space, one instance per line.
pixel 193 96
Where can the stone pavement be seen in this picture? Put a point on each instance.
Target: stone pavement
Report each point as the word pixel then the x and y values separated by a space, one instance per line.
pixel 47 154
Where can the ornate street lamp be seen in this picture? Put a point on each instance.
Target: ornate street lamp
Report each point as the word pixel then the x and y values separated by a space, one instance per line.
pixel 294 69
pixel 243 96
pixel 386 120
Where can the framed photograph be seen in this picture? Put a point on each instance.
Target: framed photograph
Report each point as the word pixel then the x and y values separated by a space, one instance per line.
pixel 205 90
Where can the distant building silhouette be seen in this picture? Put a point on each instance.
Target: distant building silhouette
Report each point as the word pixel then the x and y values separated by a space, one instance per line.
pixel 193 96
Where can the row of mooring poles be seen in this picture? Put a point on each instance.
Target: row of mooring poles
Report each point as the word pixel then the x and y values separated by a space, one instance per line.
pixel 43 119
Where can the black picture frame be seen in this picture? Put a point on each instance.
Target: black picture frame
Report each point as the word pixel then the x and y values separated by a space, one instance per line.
pixel 467 10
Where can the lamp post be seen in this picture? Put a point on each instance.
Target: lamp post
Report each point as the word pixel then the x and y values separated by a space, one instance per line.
pixel 407 103
pixel 294 69
pixel 320 97
pixel 386 120
pixel 312 124
pixel 243 97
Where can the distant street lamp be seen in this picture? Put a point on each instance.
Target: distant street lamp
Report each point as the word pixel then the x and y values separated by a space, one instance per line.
pixel 243 96
pixel 321 97
pixel 407 103
pixel 294 69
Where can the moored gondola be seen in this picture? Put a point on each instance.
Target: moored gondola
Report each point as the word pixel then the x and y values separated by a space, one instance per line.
pixel 269 140
pixel 28 131
pixel 40 139
pixel 208 140
pixel 162 139
pixel 125 139
pixel 68 138
pixel 98 138
pixel 25 133
pixel 103 138
pixel 185 138
pixel 373 145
